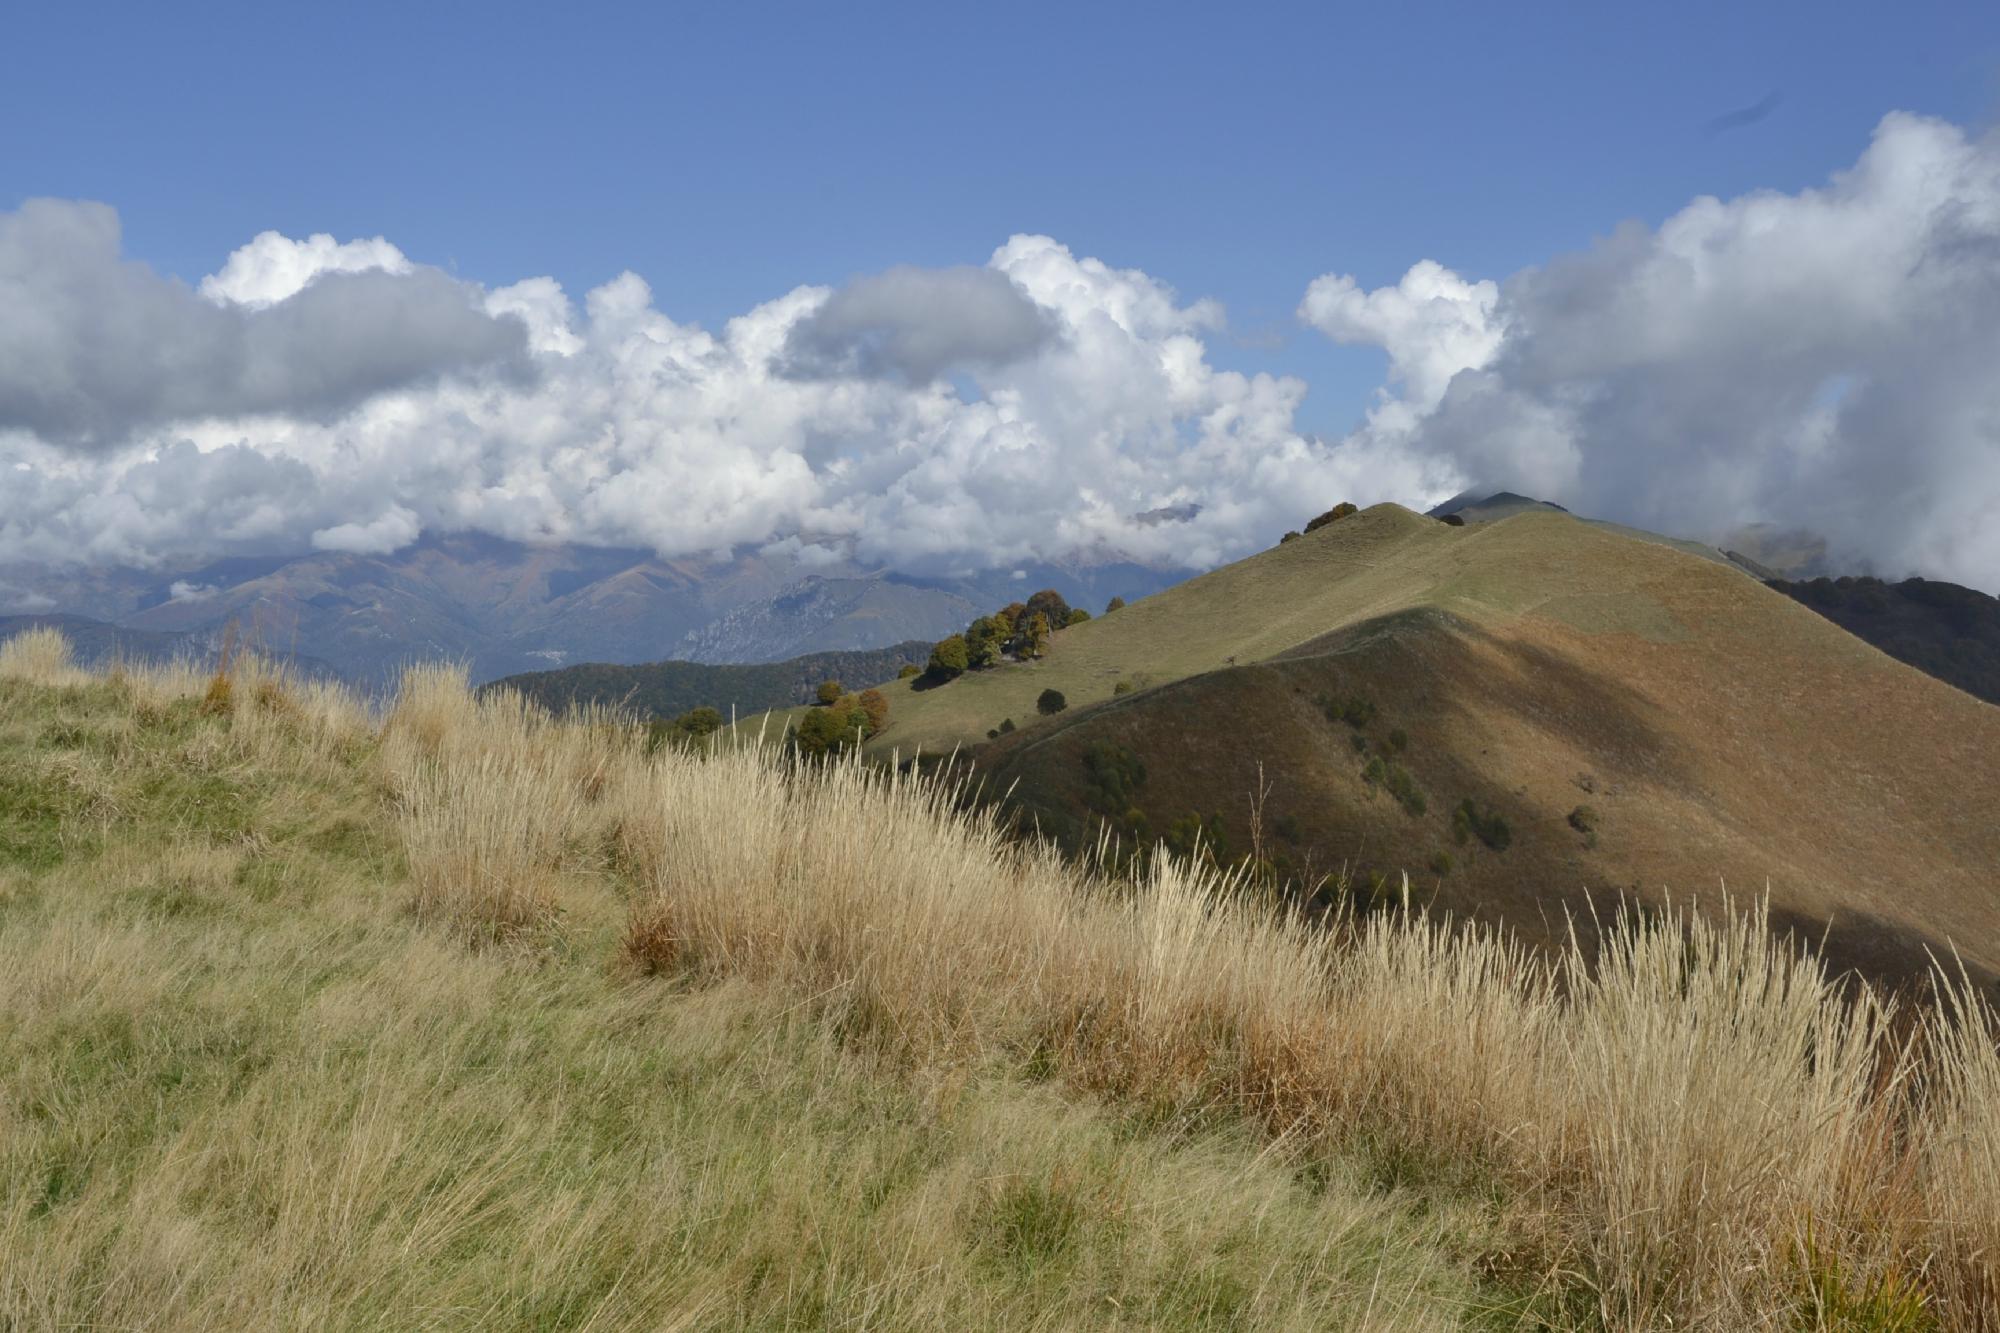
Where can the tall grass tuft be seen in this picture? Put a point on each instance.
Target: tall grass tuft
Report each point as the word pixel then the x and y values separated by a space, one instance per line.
pixel 39 656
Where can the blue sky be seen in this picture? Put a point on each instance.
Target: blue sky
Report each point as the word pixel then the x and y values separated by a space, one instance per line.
pixel 729 152
pixel 927 287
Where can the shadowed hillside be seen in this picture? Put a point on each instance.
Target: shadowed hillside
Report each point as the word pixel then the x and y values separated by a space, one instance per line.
pixel 1640 720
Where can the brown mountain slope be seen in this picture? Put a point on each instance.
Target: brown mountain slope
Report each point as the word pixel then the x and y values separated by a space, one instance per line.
pixel 1719 733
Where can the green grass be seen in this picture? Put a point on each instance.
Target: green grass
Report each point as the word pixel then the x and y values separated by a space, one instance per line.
pixel 244 1088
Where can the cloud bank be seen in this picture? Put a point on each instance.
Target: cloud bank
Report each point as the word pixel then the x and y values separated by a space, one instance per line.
pixel 1827 360
pixel 1822 360
pixel 94 349
pixel 1043 406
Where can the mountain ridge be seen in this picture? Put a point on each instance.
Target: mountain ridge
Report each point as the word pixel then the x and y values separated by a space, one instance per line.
pixel 1644 721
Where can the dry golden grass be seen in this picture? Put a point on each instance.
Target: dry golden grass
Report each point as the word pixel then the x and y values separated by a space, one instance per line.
pixel 1702 1129
pixel 39 656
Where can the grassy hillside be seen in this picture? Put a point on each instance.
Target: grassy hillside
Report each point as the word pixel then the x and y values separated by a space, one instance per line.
pixel 668 689
pixel 1643 721
pixel 471 1017
pixel 245 1083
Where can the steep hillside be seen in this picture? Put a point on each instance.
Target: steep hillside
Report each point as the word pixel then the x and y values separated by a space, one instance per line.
pixel 667 689
pixel 1643 722
pixel 1945 630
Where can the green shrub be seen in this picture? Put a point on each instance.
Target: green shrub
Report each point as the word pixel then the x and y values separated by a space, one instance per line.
pixel 948 657
pixel 1050 702
pixel 1355 711
pixel 829 692
pixel 1583 819
pixel 1468 822
pixel 1406 791
pixel 825 731
pixel 1077 616
pixel 1122 687
pixel 909 669
pixel 1006 725
pixel 1193 838
pixel 690 728
pixel 1441 863
pixel 1113 777
pixel 1115 604
pixel 1287 827
pixel 1379 772
pixel 1399 740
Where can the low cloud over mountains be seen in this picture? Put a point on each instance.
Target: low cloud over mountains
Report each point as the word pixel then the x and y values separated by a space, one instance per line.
pixel 1820 360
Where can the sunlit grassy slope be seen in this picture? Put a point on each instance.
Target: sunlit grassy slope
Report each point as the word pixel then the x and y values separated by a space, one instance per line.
pixel 468 1016
pixel 1703 729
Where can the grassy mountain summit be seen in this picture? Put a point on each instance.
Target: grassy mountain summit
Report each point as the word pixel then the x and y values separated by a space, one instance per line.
pixel 1642 720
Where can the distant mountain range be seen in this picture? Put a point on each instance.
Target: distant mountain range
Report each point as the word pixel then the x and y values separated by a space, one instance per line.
pixel 94 643
pixel 506 607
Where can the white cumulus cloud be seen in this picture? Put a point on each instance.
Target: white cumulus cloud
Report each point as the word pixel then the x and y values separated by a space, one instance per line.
pixel 1822 360
pixel 1040 407
pixel 273 267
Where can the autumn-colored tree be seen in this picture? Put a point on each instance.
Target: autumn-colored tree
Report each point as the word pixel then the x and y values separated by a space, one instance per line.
pixel 1048 602
pixel 829 691
pixel 875 707
pixel 909 669
pixel 1333 515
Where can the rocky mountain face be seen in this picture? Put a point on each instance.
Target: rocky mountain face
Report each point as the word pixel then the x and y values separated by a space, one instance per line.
pixel 506 607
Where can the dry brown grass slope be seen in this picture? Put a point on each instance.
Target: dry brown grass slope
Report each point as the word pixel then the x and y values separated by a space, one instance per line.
pixel 1725 734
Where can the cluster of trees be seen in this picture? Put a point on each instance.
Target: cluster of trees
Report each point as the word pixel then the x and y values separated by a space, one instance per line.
pixel 691 728
pixel 841 720
pixel 1333 515
pixel 1019 630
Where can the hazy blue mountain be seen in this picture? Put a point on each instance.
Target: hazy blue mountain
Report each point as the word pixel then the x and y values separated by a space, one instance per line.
pixel 506 607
